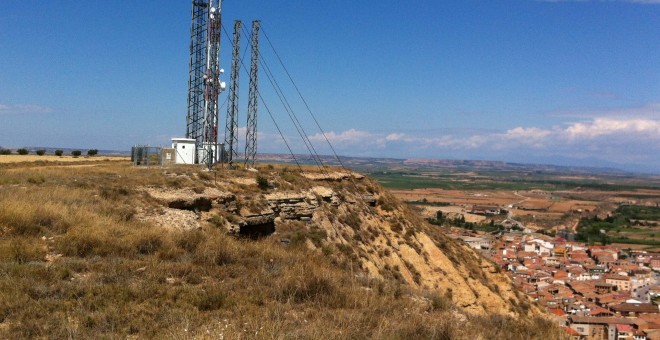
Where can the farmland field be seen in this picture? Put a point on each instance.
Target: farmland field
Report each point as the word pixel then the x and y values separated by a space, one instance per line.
pixel 547 200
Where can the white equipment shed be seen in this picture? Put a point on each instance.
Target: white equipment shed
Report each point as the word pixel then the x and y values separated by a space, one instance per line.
pixel 184 149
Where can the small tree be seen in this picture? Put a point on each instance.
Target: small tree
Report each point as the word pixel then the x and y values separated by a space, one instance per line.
pixel 59 153
pixel 41 152
pixel 92 152
pixel 76 153
pixel 5 152
pixel 23 151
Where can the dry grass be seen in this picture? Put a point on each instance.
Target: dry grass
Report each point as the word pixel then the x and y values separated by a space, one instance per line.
pixel 74 263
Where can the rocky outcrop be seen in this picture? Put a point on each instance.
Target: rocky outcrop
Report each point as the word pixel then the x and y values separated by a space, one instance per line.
pixel 300 205
pixel 170 218
pixel 332 176
pixel 359 224
pixel 182 208
pixel 189 199
pixel 292 205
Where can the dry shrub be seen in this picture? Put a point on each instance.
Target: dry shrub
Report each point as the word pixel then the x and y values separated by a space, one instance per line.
pixel 387 202
pixel 37 179
pixel 317 235
pixel 80 245
pixel 22 250
pixel 216 250
pixel 97 241
pixel 189 240
pixel 205 175
pixel 148 243
pixel 114 193
pixel 290 176
pixel 417 276
pixel 351 219
pixel 421 328
pixel 311 287
pixel 396 226
pixel 218 221
pixel 121 213
pixel 438 302
pixel 24 218
pixel 262 182
pixel 298 233
pixel 209 298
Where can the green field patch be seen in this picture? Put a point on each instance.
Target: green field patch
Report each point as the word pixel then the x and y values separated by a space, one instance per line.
pixel 408 181
pixel 636 212
pixel 633 230
pixel 427 203
pixel 635 241
pixel 616 227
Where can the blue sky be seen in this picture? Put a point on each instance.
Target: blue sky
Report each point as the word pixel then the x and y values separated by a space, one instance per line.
pixel 560 82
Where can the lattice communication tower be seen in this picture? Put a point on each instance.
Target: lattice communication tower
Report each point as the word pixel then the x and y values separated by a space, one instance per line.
pixel 231 129
pixel 204 83
pixel 253 95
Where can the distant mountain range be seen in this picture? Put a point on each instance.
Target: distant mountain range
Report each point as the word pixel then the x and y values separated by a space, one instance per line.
pixel 376 164
pixel 563 164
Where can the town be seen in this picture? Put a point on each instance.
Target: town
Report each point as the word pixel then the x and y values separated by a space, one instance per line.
pixel 594 291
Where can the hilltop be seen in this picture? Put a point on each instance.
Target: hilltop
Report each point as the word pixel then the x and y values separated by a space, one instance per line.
pixel 110 250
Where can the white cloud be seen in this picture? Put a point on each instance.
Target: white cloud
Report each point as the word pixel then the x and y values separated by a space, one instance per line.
pixel 595 130
pixel 619 140
pixel 521 133
pixel 599 127
pixel 393 137
pixel 350 136
pixel 23 109
pixel 631 137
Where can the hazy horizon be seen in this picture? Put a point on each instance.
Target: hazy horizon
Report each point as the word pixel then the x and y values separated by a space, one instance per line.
pixel 572 83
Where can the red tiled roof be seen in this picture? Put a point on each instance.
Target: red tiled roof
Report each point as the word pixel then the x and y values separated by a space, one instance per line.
pixel 570 331
pixel 604 320
pixel 636 308
pixel 557 311
pixel 624 328
pixel 598 311
pixel 616 277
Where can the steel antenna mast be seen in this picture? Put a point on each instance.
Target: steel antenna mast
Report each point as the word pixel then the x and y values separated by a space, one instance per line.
pixel 204 83
pixel 195 116
pixel 253 95
pixel 231 130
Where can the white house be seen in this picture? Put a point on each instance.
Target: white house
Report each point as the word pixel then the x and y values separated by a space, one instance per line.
pixel 476 242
